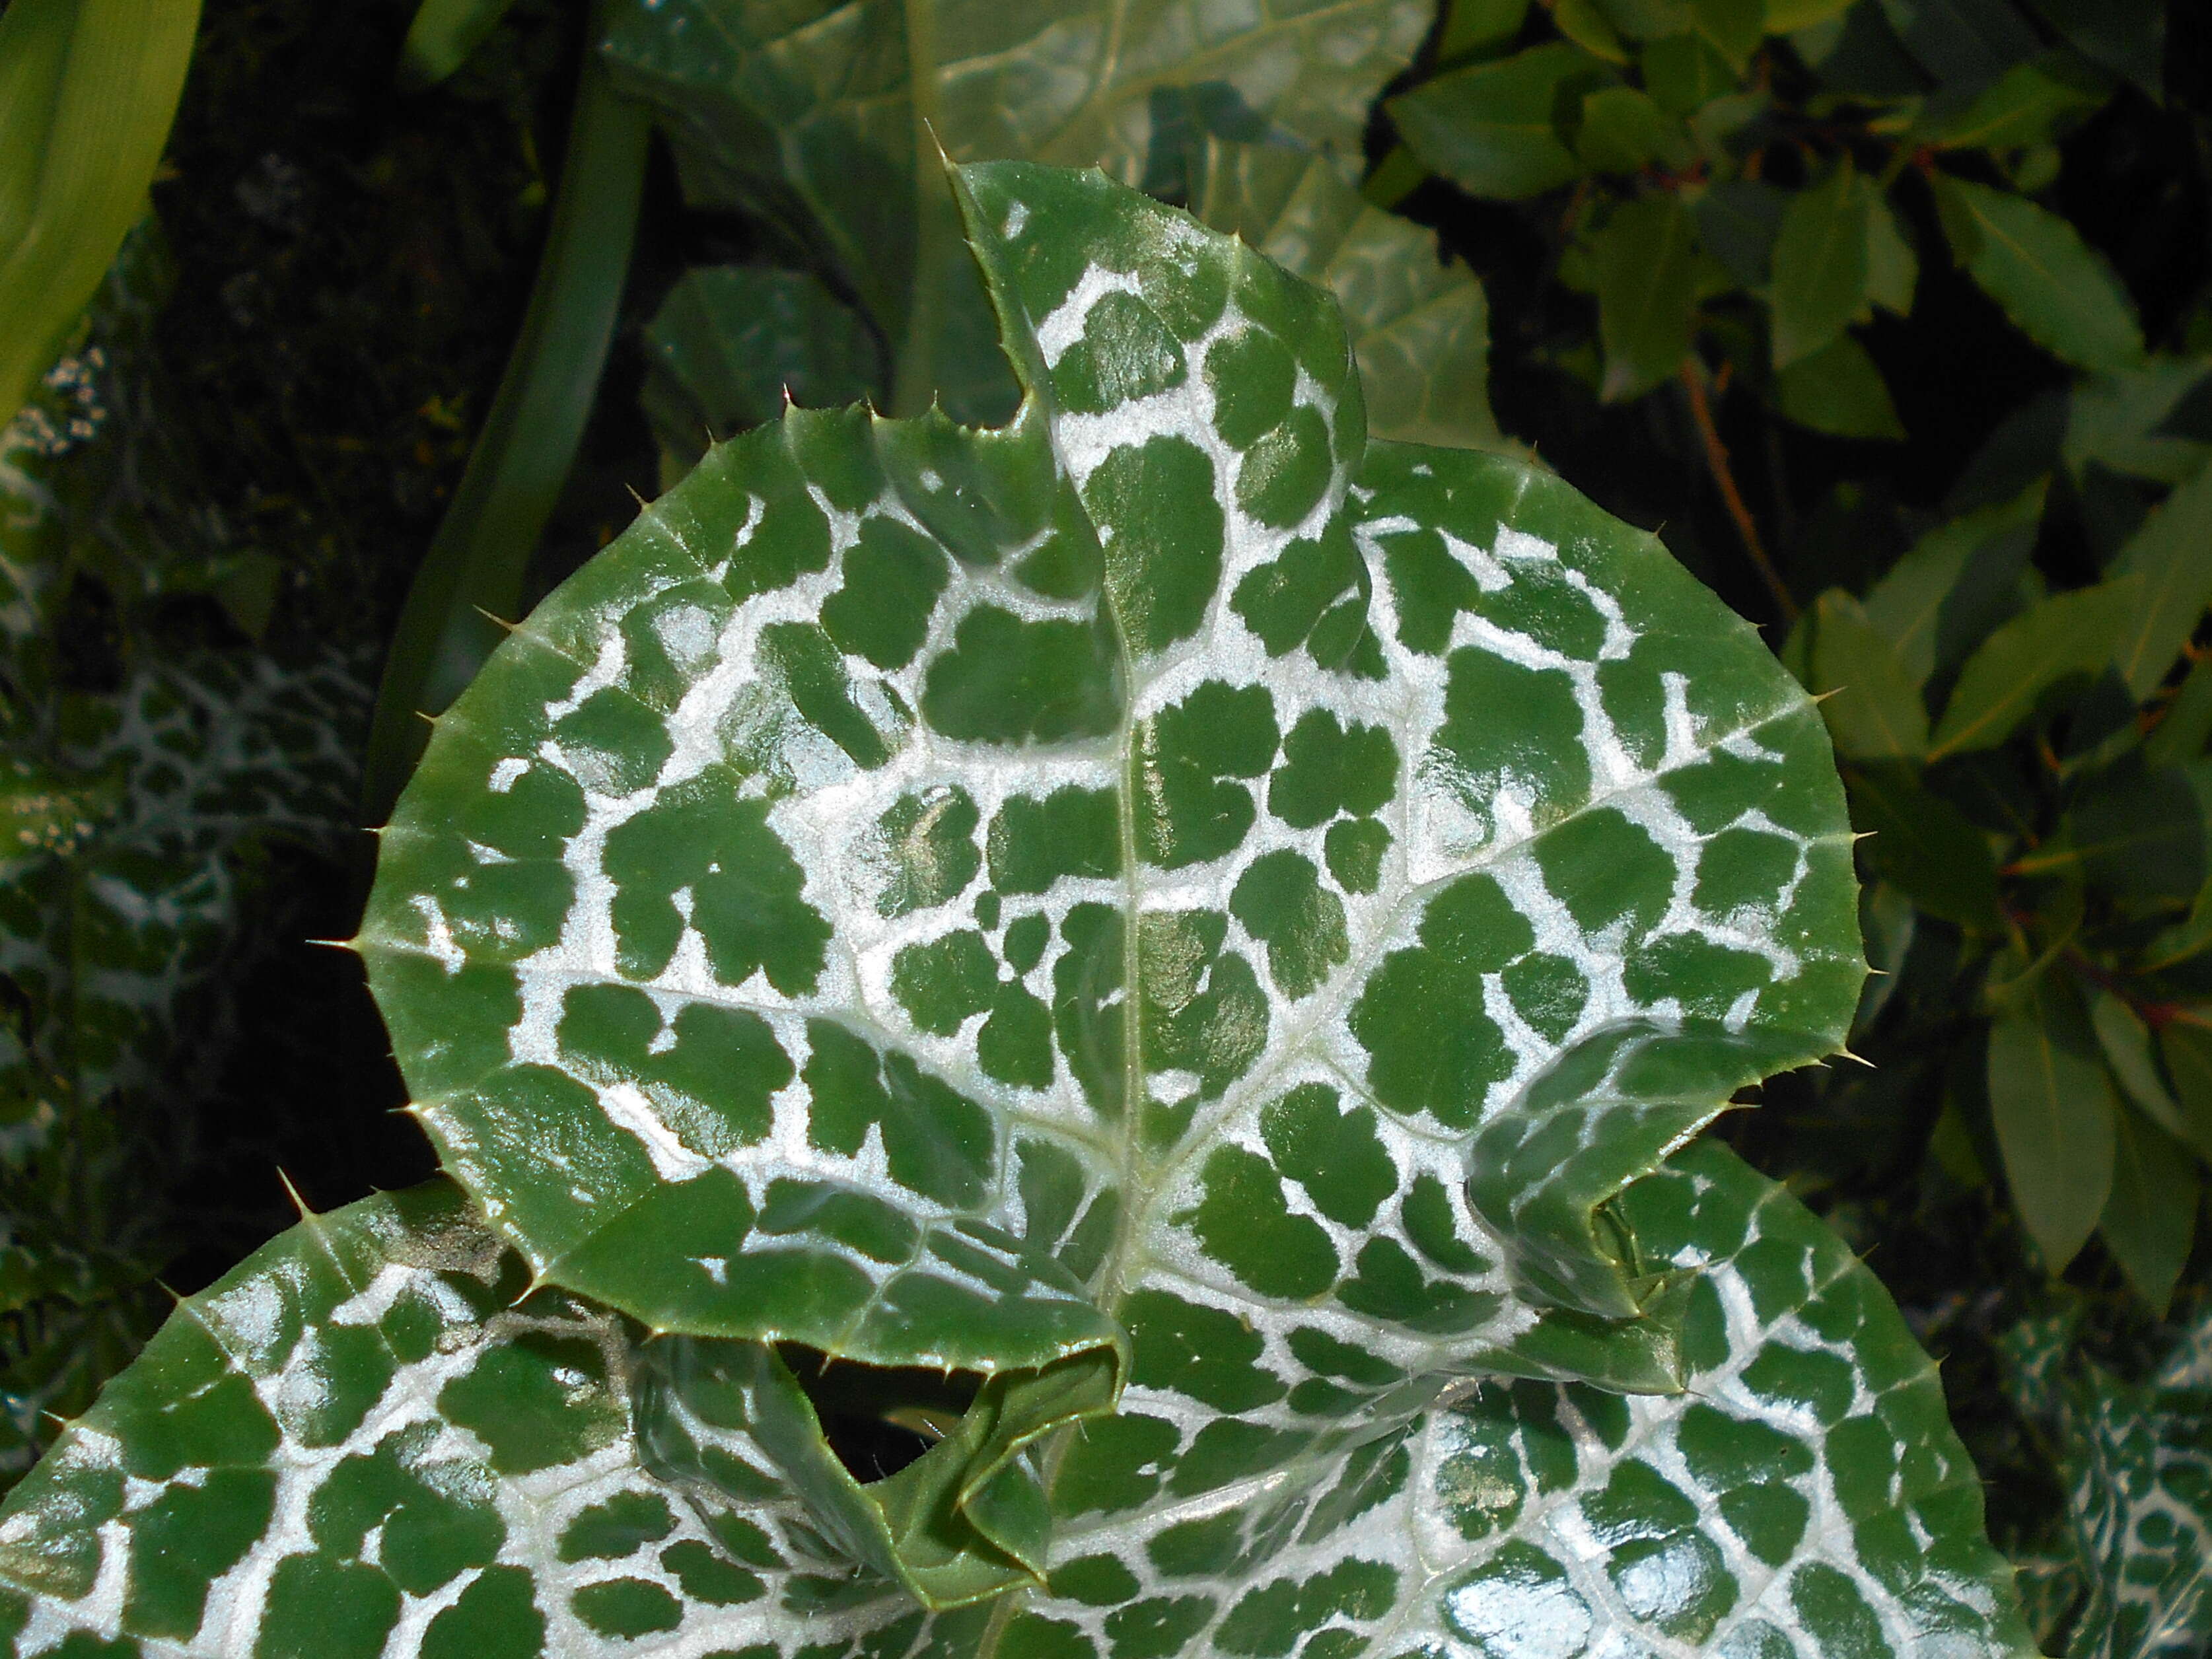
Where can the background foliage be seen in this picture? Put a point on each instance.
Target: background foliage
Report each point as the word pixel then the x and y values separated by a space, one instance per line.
pixel 1893 316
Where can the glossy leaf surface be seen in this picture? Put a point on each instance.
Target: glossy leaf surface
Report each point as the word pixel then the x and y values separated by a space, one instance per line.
pixel 362 1442
pixel 1172 888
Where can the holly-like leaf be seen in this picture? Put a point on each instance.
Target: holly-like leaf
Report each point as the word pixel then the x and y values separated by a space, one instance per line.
pixel 369 1439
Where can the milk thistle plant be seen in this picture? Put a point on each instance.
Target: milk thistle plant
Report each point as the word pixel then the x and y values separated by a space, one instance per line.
pixel 1082 1039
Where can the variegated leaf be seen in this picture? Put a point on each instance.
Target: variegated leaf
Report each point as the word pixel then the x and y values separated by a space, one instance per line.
pixel 362 1442
pixel 1180 923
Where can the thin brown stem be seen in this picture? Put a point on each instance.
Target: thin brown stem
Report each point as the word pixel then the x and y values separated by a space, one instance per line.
pixel 1716 462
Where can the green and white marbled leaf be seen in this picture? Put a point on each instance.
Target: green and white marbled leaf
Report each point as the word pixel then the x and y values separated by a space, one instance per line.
pixel 362 1443
pixel 103 939
pixel 761 934
pixel 2137 1465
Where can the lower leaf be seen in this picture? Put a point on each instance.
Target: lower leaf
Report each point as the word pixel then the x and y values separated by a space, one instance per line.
pixel 361 1442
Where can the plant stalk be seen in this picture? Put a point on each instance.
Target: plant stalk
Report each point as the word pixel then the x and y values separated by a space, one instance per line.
pixel 477 563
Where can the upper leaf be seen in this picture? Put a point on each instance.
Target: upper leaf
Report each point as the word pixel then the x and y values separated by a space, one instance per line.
pixel 949 898
pixel 811 113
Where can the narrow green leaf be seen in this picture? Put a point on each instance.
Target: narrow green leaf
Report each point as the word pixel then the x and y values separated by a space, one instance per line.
pixel 2171 556
pixel 2126 1042
pixel 1581 22
pixel 475 567
pixel 1820 264
pixel 2137 832
pixel 1492 128
pixel 1478 25
pixel 2069 633
pixel 1838 391
pixel 1623 130
pixel 1685 73
pixel 2058 290
pixel 1890 921
pixel 443 34
pixel 1873 709
pixel 2185 1045
pixel 2032 104
pixel 2150 1220
pixel 1914 598
pixel 2052 1105
pixel 1892 268
pixel 1734 27
pixel 1645 293
pixel 1420 323
pixel 2122 421
pixel 1963 44
pixel 90 89
pixel 1926 846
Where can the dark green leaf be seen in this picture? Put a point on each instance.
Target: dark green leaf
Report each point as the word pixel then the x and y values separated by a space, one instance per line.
pixel 1738 220
pixel 1645 282
pixel 2180 734
pixel 730 342
pixel 2171 556
pixel 1473 26
pixel 2126 1042
pixel 1941 599
pixel 2184 1043
pixel 443 34
pixel 1965 44
pixel 2052 1104
pixel 2128 37
pixel 1820 264
pixel 2033 104
pixel 1892 268
pixel 1622 131
pixel 1581 22
pixel 1872 706
pixel 2138 832
pixel 1734 27
pixel 1838 391
pixel 2058 291
pixel 2124 421
pixel 2150 1220
pixel 1493 129
pixel 2069 633
pixel 1926 846
pixel 1684 73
